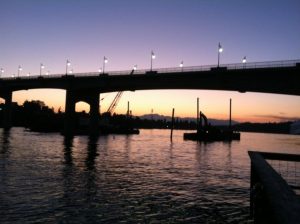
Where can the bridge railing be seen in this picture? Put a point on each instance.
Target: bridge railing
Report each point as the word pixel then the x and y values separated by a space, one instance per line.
pixel 234 66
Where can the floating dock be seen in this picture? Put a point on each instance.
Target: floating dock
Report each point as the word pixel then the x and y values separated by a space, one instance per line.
pixel 209 136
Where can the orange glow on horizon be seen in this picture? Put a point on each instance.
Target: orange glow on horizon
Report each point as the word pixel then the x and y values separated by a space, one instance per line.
pixel 248 107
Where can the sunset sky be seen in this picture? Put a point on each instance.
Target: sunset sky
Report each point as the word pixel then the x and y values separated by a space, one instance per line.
pixel 125 31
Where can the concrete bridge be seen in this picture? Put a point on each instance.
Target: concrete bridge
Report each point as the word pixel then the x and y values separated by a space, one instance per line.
pixel 279 77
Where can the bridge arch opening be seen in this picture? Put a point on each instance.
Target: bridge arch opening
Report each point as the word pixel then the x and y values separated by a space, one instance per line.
pixel 2 102
pixel 53 98
pixel 82 107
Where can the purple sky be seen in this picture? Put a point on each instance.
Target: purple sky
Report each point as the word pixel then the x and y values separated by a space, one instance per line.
pixel 83 31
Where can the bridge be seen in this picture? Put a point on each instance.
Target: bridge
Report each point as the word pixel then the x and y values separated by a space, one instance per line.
pixel 279 77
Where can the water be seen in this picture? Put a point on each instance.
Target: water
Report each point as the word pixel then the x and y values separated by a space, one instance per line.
pixel 144 178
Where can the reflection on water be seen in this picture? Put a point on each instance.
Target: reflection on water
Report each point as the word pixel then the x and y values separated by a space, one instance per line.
pixel 68 144
pixel 127 179
pixel 5 141
pixel 91 153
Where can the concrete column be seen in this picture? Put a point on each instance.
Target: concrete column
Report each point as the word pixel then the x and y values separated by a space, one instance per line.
pixel 94 114
pixel 69 123
pixel 7 121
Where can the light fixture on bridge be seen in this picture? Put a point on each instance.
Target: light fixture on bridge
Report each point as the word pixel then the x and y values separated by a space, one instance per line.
pixel 244 60
pixel 220 50
pixel 135 67
pixel 2 71
pixel 100 70
pixel 71 71
pixel 181 65
pixel 153 56
pixel 12 75
pixel 41 68
pixel 28 74
pixel 68 64
pixel 48 72
pixel 19 70
pixel 105 61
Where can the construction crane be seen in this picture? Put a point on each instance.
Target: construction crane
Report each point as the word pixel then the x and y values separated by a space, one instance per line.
pixel 114 103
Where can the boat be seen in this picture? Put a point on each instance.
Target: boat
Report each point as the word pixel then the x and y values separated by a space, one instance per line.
pixel 295 128
pixel 119 130
pixel 208 133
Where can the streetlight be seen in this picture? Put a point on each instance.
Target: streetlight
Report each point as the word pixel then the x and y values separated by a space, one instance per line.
pixel 152 58
pixel 67 66
pixel 220 50
pixel 100 70
pixel 28 74
pixel 244 61
pixel 41 68
pixel 71 71
pixel 2 71
pixel 135 67
pixel 181 65
pixel 48 72
pixel 105 60
pixel 19 70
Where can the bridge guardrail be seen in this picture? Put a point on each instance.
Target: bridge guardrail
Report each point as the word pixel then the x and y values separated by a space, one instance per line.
pixel 234 66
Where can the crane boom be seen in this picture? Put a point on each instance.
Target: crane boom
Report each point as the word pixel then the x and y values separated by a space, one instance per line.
pixel 114 103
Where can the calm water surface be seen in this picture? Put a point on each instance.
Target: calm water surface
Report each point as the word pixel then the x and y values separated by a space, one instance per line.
pixel 144 178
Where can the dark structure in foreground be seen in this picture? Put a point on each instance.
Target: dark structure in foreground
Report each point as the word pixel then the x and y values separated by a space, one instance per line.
pixel 272 198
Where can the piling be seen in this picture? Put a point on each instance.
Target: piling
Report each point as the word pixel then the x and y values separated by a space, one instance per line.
pixel 128 109
pixel 197 122
pixel 172 124
pixel 230 113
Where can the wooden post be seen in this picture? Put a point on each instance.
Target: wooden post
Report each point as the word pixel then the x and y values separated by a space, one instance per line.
pixel 172 124
pixel 230 113
pixel 128 109
pixel 197 122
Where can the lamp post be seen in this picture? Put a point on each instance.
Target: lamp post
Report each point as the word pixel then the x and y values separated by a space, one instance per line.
pixel 19 70
pixel 41 68
pixel 28 74
pixel 105 61
pixel 220 50
pixel 152 58
pixel 2 71
pixel 67 66
pixel 244 61
pixel 100 70
pixel 181 66
pixel 48 72
pixel 135 67
pixel 71 71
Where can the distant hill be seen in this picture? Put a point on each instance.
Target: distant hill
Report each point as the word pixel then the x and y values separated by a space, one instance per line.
pixel 215 122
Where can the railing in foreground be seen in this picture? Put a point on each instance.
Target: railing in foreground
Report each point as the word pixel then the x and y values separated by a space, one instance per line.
pixel 272 200
pixel 236 66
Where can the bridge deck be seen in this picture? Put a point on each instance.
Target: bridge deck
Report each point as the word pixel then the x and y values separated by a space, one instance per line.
pixel 234 66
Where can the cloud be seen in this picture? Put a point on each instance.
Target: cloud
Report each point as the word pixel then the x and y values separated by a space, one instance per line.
pixel 277 117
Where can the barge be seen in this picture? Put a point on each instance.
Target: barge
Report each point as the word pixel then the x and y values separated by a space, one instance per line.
pixel 207 133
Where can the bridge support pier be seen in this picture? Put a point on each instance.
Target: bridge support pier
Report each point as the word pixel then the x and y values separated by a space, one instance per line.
pixel 7 118
pixel 90 97
pixel 69 122
pixel 94 113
